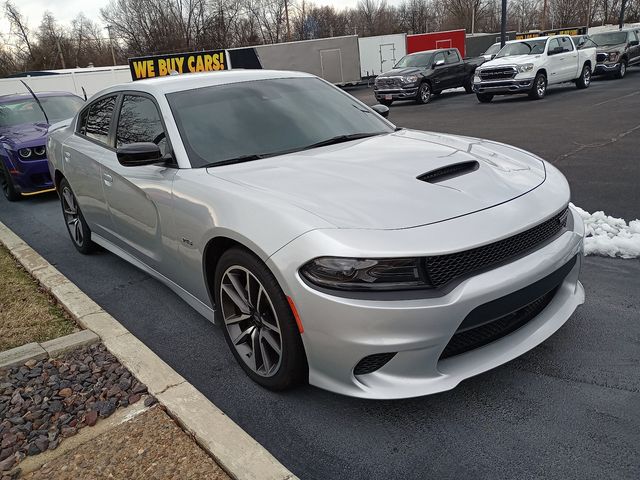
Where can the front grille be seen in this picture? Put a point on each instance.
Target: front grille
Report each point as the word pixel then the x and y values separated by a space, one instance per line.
pixel 477 337
pixel 601 57
pixel 442 269
pixel 388 82
pixel 372 363
pixel 498 73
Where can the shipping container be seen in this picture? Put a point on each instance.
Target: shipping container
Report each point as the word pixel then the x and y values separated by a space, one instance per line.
pixel 379 54
pixel 335 59
pixel 478 43
pixel 430 41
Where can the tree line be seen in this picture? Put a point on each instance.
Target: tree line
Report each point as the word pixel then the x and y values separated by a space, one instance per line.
pixel 145 27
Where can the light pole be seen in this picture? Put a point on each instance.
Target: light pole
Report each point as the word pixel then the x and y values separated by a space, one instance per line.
pixel 113 55
pixel 503 24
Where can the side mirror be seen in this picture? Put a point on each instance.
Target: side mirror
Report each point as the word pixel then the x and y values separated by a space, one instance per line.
pixel 381 110
pixel 493 56
pixel 633 43
pixel 438 63
pixel 137 154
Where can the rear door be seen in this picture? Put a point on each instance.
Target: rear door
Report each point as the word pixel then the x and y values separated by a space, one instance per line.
pixel 387 57
pixel 570 68
pixel 634 50
pixel 140 198
pixel 82 154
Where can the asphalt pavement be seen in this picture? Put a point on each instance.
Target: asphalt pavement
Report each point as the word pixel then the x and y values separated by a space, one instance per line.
pixel 568 409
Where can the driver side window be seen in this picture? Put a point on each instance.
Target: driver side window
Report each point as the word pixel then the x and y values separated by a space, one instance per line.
pixel 439 56
pixel 139 121
pixel 553 44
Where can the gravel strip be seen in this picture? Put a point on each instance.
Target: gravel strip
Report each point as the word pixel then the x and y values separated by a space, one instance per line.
pixel 43 402
pixel 151 446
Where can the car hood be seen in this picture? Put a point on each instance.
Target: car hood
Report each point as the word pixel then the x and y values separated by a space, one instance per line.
pixel 372 183
pixel 24 135
pixel 398 72
pixel 611 48
pixel 510 60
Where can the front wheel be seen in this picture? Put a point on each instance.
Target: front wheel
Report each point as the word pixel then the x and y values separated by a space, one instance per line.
pixel 257 321
pixel 622 69
pixel 484 97
pixel 539 89
pixel 584 80
pixel 6 182
pixel 76 224
pixel 424 94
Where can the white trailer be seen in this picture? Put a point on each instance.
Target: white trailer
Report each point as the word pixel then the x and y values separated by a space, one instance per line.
pixel 72 80
pixel 379 54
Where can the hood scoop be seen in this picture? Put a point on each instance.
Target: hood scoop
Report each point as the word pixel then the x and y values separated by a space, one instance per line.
pixel 450 171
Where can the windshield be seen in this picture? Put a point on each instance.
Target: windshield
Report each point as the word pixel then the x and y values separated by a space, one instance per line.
pixel 532 47
pixel 264 117
pixel 612 38
pixel 28 111
pixel 415 60
pixel 495 48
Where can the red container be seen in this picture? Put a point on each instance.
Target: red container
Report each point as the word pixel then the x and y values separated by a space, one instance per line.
pixel 430 41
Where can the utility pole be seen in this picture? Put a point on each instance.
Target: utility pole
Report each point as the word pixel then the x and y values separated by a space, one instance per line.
pixel 544 15
pixel 60 53
pixel 622 8
pixel 286 14
pixel 503 24
pixel 473 19
pixel 113 55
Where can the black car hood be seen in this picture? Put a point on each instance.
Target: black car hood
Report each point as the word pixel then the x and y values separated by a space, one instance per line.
pixel 611 48
pixel 398 72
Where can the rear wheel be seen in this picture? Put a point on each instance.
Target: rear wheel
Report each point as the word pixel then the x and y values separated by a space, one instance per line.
pixel 76 225
pixel 622 69
pixel 584 80
pixel 484 97
pixel 539 88
pixel 6 182
pixel 424 94
pixel 257 321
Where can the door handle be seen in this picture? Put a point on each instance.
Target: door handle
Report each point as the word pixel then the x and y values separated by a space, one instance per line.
pixel 108 179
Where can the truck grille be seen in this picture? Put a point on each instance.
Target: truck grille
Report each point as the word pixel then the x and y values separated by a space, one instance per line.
pixel 388 82
pixel 601 57
pixel 442 269
pixel 498 73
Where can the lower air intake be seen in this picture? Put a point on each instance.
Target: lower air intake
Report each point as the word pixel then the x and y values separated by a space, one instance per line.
pixel 372 363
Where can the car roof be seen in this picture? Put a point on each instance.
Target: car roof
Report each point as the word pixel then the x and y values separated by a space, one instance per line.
pixel 191 81
pixel 25 96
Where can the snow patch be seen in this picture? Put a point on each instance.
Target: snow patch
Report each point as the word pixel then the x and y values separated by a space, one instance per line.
pixel 610 236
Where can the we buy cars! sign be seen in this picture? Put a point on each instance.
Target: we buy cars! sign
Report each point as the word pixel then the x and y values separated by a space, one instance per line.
pixel 161 65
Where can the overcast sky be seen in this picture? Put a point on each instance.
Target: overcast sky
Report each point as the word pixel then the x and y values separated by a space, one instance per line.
pixel 65 10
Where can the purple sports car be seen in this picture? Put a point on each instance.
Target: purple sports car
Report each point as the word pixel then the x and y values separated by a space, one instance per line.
pixel 23 132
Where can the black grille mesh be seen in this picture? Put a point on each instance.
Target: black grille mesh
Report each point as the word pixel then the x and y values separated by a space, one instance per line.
pixel 502 73
pixel 372 363
pixel 462 342
pixel 442 269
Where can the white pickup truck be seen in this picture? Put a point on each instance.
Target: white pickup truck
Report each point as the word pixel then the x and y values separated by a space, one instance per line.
pixel 531 65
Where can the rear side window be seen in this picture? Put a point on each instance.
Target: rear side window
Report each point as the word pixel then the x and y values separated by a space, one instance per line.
pixel 451 56
pixel 95 122
pixel 139 121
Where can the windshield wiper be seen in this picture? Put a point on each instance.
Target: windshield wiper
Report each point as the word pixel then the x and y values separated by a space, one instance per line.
pixel 341 139
pixel 240 159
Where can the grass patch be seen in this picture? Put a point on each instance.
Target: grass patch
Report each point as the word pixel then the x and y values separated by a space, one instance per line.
pixel 27 312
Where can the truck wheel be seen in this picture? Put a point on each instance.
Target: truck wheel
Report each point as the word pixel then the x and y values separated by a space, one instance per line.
pixel 386 102
pixel 468 84
pixel 424 94
pixel 539 88
pixel 6 182
pixel 584 80
pixel 484 97
pixel 622 69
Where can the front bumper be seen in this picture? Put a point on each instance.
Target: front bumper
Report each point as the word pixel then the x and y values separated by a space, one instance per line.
pixel 502 87
pixel 606 68
pixel 339 331
pixel 404 93
pixel 31 176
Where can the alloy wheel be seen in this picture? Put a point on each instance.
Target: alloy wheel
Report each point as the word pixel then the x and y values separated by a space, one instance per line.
pixel 541 86
pixel 623 69
pixel 72 216
pixel 251 321
pixel 425 93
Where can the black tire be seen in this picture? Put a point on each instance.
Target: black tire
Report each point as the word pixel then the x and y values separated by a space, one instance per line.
pixel 539 87
pixel 468 84
pixel 386 102
pixel 6 182
pixel 584 80
pixel 77 227
pixel 424 93
pixel 292 368
pixel 484 97
pixel 622 69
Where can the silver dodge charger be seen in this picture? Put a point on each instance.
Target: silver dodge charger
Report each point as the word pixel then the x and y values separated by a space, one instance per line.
pixel 331 246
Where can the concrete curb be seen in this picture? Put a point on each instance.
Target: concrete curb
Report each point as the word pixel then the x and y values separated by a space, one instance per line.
pixel 233 449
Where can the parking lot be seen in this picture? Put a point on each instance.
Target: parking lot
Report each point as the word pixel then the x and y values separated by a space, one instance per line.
pixel 568 409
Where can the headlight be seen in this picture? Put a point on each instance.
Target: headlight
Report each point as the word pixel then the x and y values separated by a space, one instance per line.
pixel 409 79
pixel 527 67
pixel 24 152
pixel 613 56
pixel 365 273
pixel 40 151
